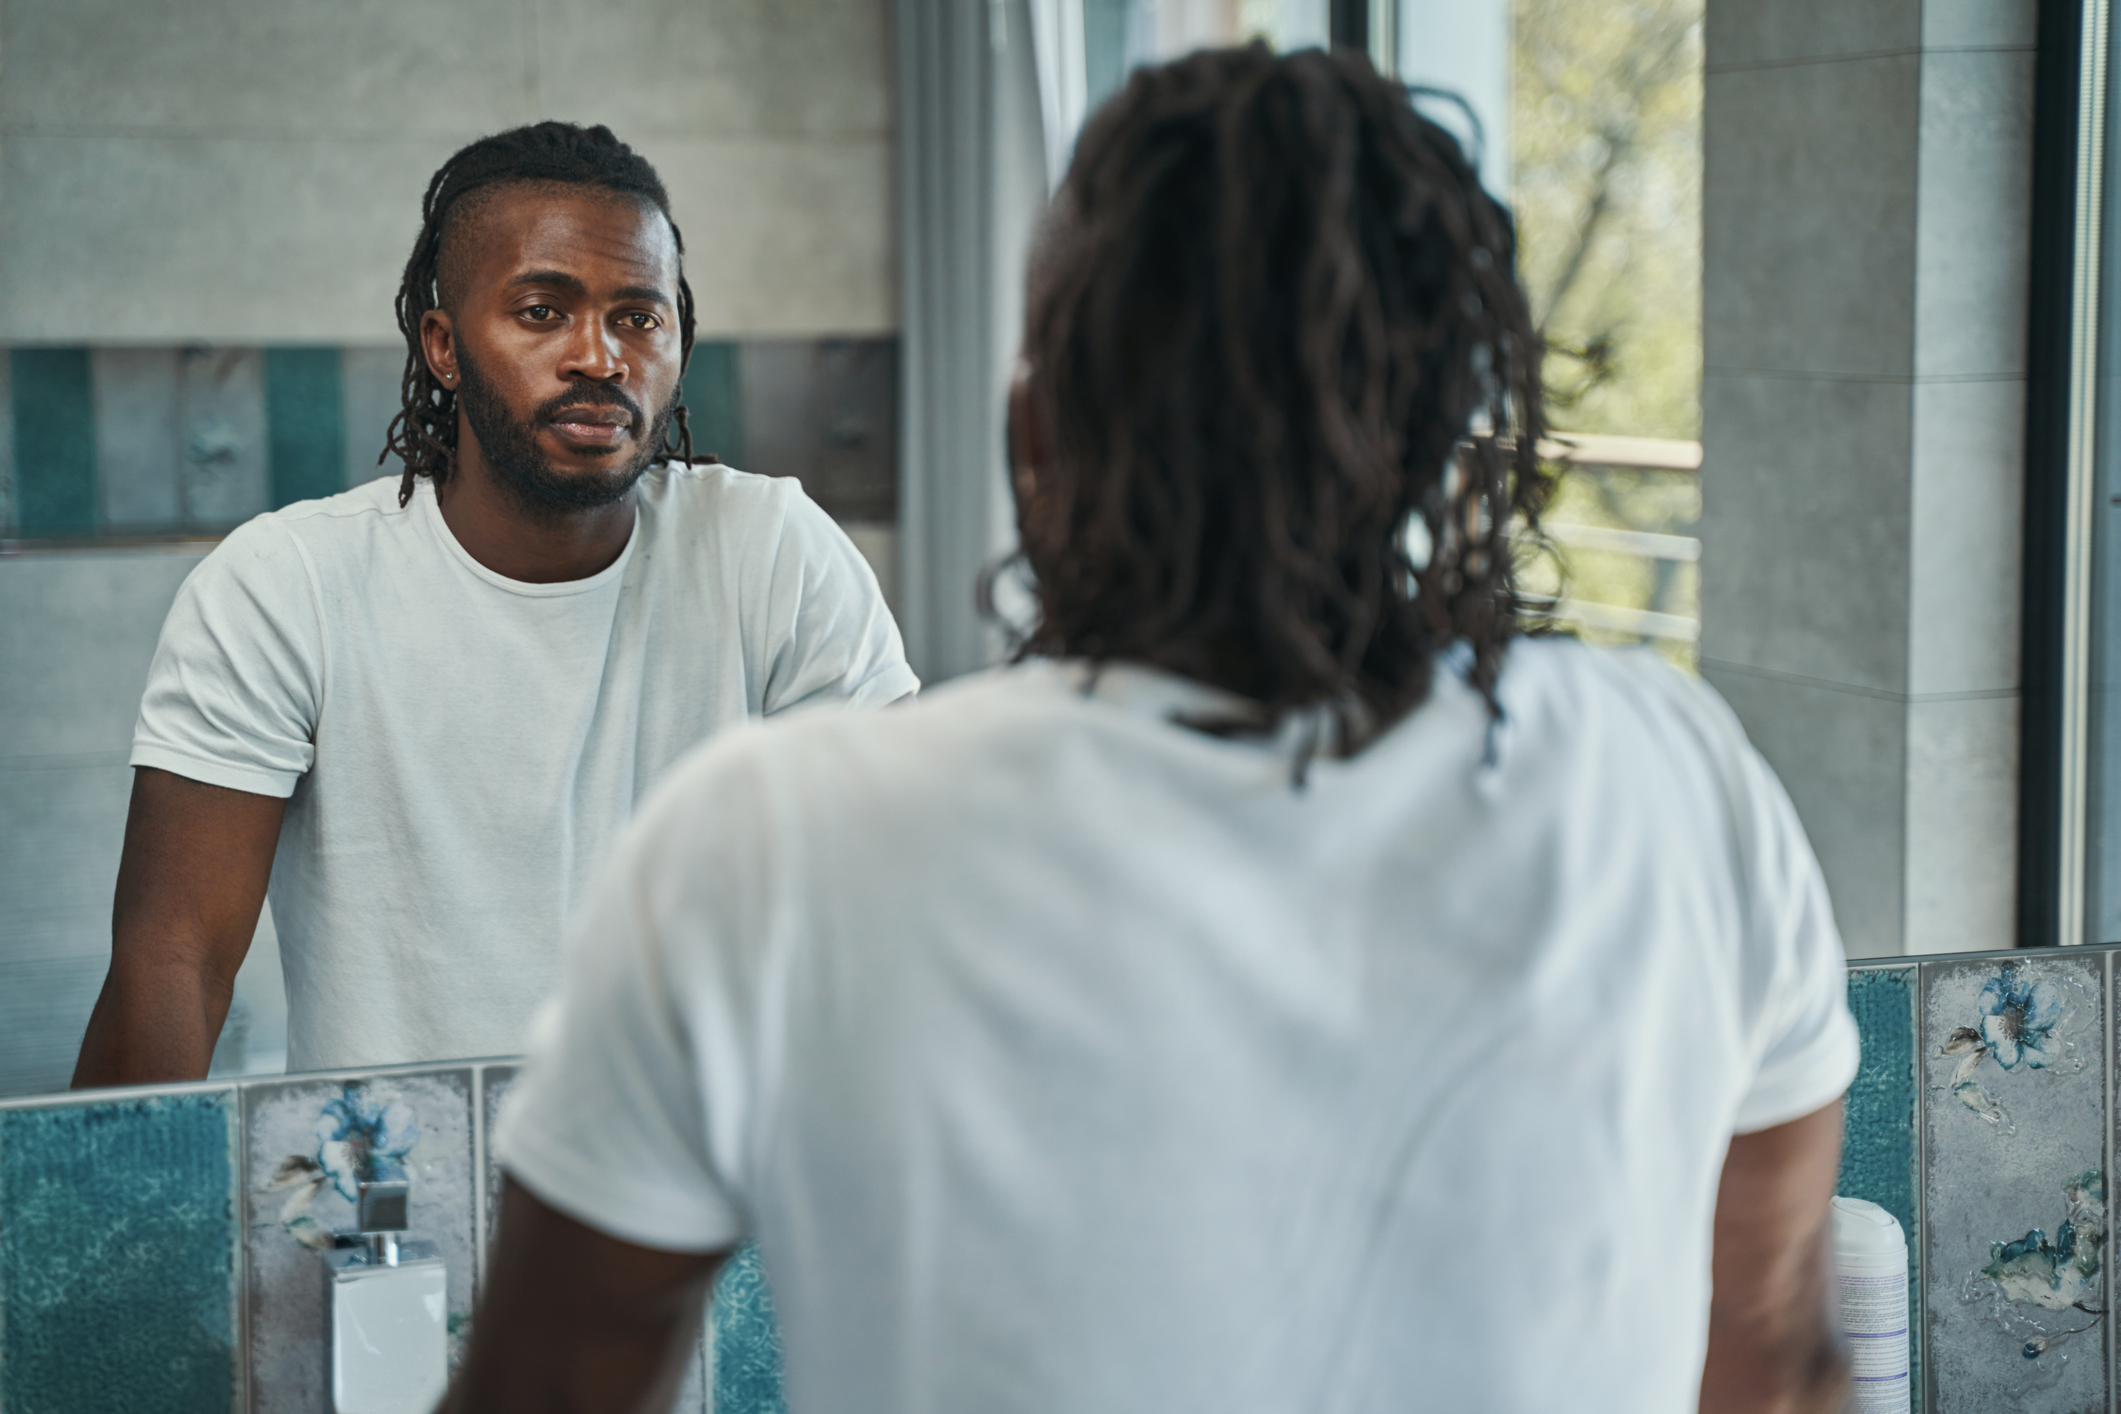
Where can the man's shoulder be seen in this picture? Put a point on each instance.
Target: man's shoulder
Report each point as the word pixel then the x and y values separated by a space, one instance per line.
pixel 326 519
pixel 711 495
pixel 305 534
pixel 1642 719
pixel 927 745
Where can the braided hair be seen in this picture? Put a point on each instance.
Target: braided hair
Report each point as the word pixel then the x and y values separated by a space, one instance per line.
pixel 424 433
pixel 1273 331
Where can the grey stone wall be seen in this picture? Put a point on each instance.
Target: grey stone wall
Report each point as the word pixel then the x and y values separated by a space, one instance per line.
pixel 250 171
pixel 1864 284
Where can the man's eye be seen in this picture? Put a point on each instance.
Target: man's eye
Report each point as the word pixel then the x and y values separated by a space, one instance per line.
pixel 644 321
pixel 540 312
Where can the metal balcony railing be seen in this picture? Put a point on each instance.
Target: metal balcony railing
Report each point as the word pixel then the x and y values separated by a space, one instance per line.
pixel 1592 453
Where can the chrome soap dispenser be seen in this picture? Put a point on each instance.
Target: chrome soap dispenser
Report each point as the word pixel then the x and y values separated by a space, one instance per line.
pixel 389 1312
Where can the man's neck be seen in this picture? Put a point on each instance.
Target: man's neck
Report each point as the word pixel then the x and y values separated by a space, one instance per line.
pixel 534 545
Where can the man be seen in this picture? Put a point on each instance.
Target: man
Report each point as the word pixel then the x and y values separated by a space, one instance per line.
pixel 1286 990
pixel 423 709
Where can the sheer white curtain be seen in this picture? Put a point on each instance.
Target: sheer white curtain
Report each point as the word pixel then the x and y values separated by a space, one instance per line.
pixel 972 181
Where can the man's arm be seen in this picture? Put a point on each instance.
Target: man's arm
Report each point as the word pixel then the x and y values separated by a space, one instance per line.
pixel 1773 1348
pixel 190 884
pixel 573 1321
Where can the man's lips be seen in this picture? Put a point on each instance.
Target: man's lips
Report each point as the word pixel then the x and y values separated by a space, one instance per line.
pixel 600 426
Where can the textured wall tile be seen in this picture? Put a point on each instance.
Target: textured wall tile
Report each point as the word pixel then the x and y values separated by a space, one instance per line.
pixel 137 448
pixel 77 632
pixel 60 826
pixel 221 421
pixel 118 1256
pixel 372 383
pixel 305 424
pixel 1878 1144
pixel 826 410
pixel 714 401
pixel 299 1181
pixel 1878 1155
pixel 55 441
pixel 2013 1059
pixel 747 1343
pixel 7 449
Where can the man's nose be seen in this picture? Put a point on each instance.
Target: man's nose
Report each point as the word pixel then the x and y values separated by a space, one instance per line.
pixel 593 352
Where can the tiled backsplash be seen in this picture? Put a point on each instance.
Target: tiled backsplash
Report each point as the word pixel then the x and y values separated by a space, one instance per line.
pixel 114 443
pixel 1983 1118
pixel 153 1255
pixel 156 1246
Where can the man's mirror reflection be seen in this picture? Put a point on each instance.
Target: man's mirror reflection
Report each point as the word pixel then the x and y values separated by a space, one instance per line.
pixel 1128 1024
pixel 424 708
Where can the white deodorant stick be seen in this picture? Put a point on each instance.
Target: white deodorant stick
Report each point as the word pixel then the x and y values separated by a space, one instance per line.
pixel 1870 1259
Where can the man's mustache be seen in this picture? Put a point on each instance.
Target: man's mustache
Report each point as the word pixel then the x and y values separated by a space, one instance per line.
pixel 593 395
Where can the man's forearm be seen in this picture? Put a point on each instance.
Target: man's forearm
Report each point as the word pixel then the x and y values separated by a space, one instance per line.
pixel 153 1022
pixel 1812 1382
pixel 574 1321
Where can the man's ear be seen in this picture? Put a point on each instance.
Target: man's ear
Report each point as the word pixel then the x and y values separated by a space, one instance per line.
pixel 438 344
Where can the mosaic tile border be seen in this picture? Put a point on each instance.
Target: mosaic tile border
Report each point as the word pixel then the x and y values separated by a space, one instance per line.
pixel 124 444
pixel 268 1199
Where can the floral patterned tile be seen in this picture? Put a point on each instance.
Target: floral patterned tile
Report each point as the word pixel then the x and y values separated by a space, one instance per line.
pixel 118 1237
pixel 494 1084
pixel 307 1144
pixel 2014 1056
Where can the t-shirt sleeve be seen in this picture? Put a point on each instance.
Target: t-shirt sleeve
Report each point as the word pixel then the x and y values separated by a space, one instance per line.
pixel 1793 972
pixel 236 683
pixel 829 634
pixel 631 1112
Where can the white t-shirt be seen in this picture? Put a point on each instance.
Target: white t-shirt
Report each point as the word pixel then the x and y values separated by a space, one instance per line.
pixel 1063 1058
pixel 459 750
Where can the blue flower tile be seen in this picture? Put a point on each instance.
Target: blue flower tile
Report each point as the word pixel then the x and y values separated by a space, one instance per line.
pixel 2013 1055
pixel 746 1356
pixel 1878 1138
pixel 307 1143
pixel 118 1241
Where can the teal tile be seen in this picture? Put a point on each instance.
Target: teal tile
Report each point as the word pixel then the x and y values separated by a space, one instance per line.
pixel 714 403
pixel 747 1342
pixel 305 424
pixel 53 397
pixel 1878 1148
pixel 1878 1135
pixel 118 1241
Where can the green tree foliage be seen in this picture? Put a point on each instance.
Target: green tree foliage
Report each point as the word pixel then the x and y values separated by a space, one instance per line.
pixel 1606 159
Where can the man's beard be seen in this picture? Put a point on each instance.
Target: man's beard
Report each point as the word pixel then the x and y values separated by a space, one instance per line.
pixel 511 445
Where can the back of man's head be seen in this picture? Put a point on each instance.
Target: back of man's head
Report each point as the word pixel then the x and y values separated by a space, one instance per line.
pixel 1272 324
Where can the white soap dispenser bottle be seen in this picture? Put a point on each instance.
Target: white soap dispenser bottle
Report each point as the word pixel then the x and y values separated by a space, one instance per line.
pixel 1870 1260
pixel 389 1312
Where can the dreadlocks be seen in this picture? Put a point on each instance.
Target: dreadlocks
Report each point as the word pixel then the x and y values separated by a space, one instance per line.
pixel 424 433
pixel 1274 333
